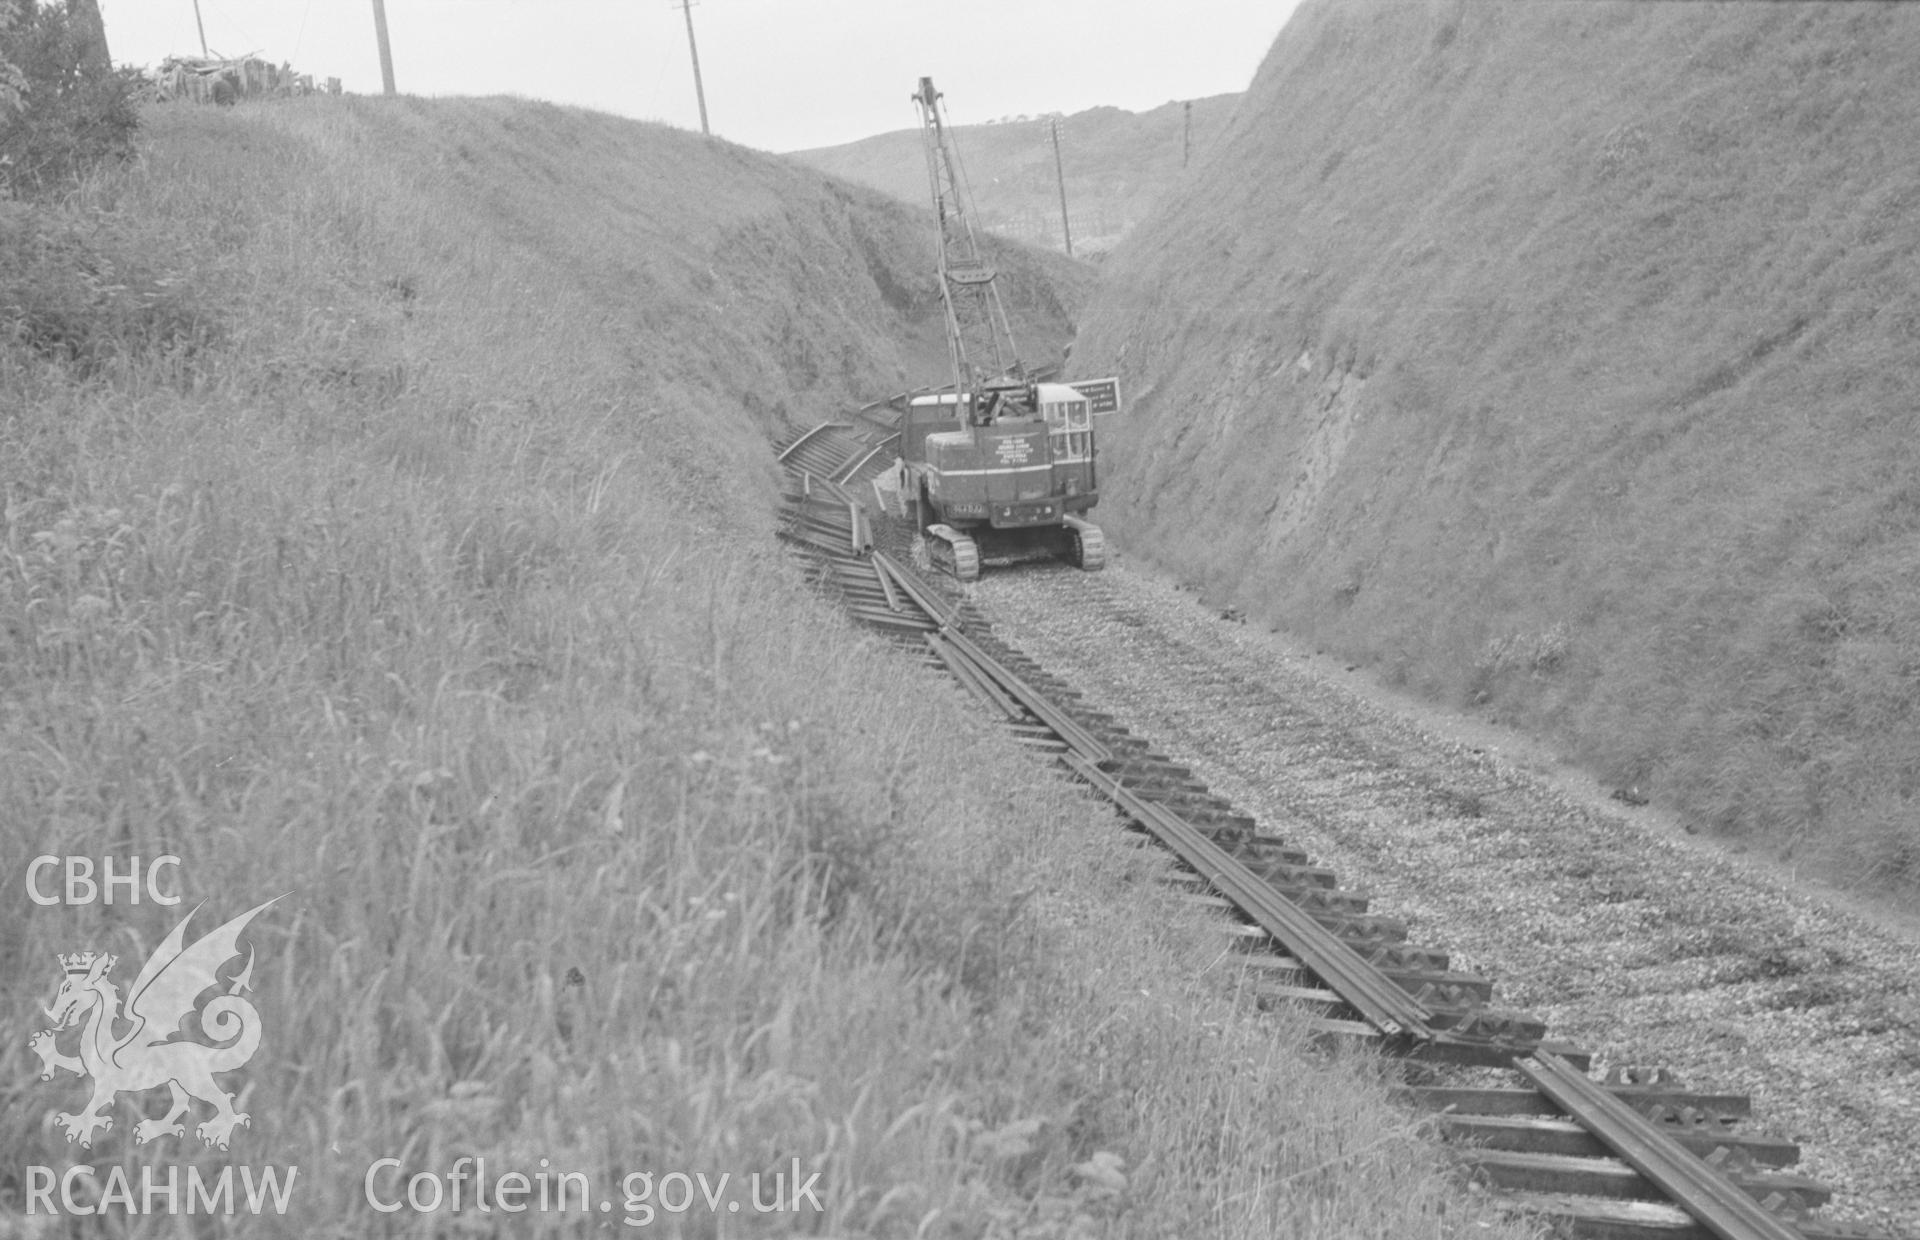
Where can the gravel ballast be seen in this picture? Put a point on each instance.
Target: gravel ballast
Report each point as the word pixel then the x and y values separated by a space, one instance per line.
pixel 1648 950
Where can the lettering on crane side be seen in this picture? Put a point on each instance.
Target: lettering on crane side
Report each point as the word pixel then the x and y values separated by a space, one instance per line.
pixel 1012 451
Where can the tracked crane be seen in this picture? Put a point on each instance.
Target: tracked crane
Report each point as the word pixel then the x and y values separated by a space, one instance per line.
pixel 998 468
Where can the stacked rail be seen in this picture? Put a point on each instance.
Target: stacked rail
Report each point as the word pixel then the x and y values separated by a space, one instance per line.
pixel 850 453
pixel 1632 1158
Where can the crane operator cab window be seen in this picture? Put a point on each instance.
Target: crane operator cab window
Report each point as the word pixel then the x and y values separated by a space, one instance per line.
pixel 998 404
pixel 1069 422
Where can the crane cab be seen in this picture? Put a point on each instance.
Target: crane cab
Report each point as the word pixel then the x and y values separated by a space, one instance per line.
pixel 1068 415
pixel 1015 456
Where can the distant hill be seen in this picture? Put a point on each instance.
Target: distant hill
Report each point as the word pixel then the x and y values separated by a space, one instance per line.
pixel 1117 165
pixel 1561 361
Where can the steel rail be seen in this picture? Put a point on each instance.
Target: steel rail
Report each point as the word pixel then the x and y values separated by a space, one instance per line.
pixel 1081 742
pixel 1377 997
pixel 856 521
pixel 833 541
pixel 820 515
pixel 824 526
pixel 815 487
pixel 1714 1200
pixel 886 587
pixel 808 435
pixel 1064 725
pixel 850 471
pixel 974 677
pixel 923 598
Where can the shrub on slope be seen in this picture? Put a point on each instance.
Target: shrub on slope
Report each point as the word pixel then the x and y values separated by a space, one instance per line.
pixel 63 107
pixel 1560 359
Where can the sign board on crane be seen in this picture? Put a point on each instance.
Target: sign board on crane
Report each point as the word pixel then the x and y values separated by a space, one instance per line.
pixel 1103 395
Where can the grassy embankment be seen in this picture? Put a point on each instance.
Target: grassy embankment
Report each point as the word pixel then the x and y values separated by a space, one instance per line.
pixel 1559 361
pixel 387 525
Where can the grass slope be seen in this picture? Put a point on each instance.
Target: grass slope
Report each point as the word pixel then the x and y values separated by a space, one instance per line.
pixel 386 509
pixel 1117 165
pixel 1560 360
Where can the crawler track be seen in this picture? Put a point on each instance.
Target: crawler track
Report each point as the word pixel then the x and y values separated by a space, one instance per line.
pixel 1632 1156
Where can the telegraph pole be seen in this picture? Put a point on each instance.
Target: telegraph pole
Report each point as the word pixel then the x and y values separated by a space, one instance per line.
pixel 686 7
pixel 1186 137
pixel 202 28
pixel 1066 227
pixel 386 48
pixel 92 32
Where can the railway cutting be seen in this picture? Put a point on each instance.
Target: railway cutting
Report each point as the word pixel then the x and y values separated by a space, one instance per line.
pixel 1633 1155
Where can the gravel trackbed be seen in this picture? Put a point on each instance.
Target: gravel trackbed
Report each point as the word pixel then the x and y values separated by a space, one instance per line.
pixel 1644 949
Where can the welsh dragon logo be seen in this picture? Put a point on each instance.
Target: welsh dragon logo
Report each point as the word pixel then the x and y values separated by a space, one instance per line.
pixel 156 1049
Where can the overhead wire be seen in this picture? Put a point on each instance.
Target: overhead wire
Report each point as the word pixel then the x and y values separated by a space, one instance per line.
pixel 302 36
pixel 244 33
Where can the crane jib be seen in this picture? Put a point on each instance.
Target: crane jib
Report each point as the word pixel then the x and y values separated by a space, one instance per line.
pixel 999 463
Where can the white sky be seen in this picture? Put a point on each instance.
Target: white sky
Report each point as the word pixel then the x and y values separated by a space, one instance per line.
pixel 780 75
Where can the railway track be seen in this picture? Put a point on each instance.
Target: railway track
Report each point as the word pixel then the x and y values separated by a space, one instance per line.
pixel 1634 1156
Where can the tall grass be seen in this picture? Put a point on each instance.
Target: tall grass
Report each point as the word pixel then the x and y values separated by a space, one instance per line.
pixel 426 584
